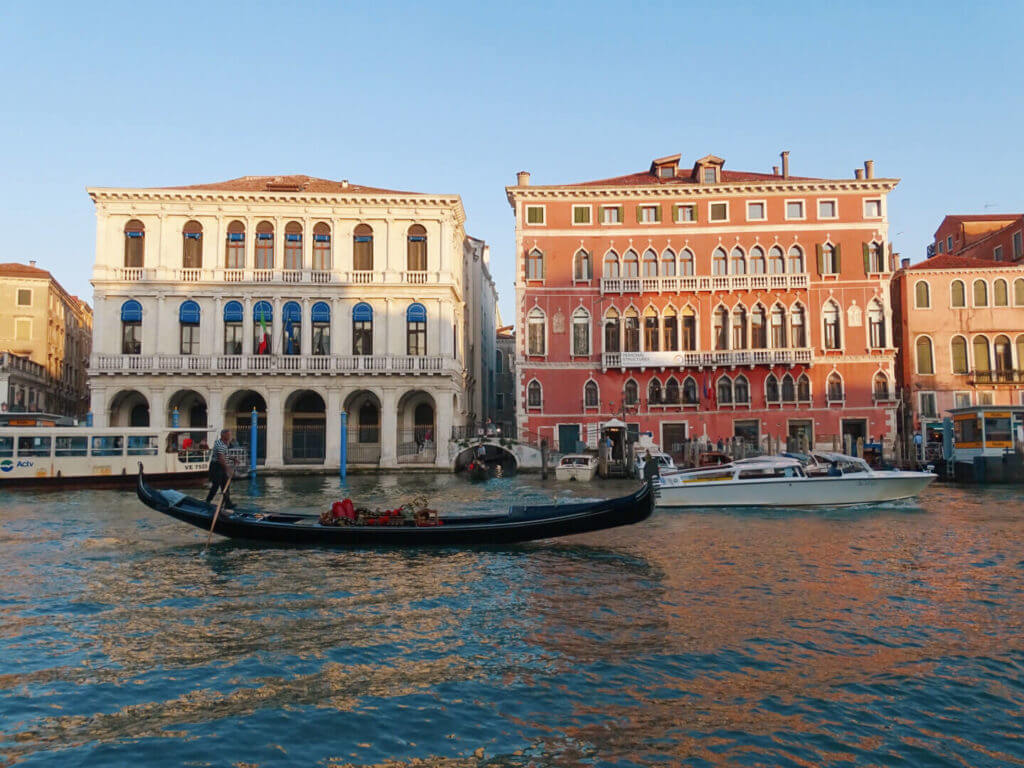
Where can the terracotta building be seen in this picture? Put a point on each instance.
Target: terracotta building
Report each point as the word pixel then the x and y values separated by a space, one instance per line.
pixel 699 301
pixel 42 322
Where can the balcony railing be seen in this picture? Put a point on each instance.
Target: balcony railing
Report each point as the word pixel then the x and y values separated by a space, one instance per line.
pixel 286 364
pixel 709 359
pixel 281 276
pixel 703 283
pixel 1008 376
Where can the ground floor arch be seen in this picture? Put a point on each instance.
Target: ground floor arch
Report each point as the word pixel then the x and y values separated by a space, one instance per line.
pixel 128 408
pixel 238 408
pixel 363 442
pixel 416 441
pixel 305 428
pixel 191 408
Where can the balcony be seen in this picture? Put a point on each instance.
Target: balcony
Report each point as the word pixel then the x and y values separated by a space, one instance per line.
pixel 193 276
pixel 703 283
pixel 275 364
pixel 1006 377
pixel 710 359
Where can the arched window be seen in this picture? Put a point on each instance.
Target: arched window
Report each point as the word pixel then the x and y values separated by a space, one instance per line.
pixel 188 323
pixel 835 388
pixel 876 325
pixel 798 326
pixel 581 332
pixel 776 261
pixel 803 388
pixel 630 264
pixel 1019 344
pixel 671 395
pixel 725 390
pixel 293 246
pixel 264 245
pixel 1000 294
pixel 741 391
pixel 719 262
pixel 1003 354
pixel 957 294
pixel 234 249
pixel 670 325
pixel 688 329
pixel 134 244
pixel 535 265
pixel 362 248
pixel 362 329
pixel 689 391
pixel 757 260
pixel 880 386
pixel 192 245
pixel 630 393
pixel 829 259
pixel 833 334
pixel 654 392
pixel 416 330
pixel 321 247
pixel 651 332
pixel 778 321
pixel 686 262
pixel 758 328
pixel 875 257
pixel 982 360
pixel 720 328
pixel 291 315
pixel 737 261
pixel 536 332
pixel 631 331
pixel 611 331
pixel 582 269
pixel 771 388
pixel 668 263
pixel 320 319
pixel 591 397
pixel 416 248
pixel 263 321
pixel 739 327
pixel 533 394
pixel 233 328
pixel 611 264
pixel 131 328
pixel 796 260
pixel 369 422
pixel 925 360
pixel 958 348
pixel 980 293
pixel 650 263
pixel 788 389
pixel 922 295
pixel 1018 293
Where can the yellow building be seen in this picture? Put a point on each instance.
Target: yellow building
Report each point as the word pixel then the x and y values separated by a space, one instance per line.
pixel 42 322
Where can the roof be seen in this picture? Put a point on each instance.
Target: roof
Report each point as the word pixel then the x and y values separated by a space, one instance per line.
pixel 14 269
pixel 949 261
pixel 288 183
pixel 647 178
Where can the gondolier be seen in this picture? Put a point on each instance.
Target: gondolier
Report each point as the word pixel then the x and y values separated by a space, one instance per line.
pixel 221 468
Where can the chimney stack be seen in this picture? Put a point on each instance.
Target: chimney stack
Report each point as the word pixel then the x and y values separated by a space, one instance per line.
pixel 858 173
pixel 869 169
pixel 344 183
pixel 785 164
pixel 31 262
pixel 904 263
pixel 775 170
pixel 523 179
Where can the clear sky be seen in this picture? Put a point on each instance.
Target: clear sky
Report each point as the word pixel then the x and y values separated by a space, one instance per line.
pixel 457 97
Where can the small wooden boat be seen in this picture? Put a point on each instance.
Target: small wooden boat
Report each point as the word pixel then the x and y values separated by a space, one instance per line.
pixel 520 523
pixel 477 471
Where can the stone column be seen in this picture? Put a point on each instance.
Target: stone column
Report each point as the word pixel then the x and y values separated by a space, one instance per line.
pixel 443 425
pixel 157 408
pixel 98 406
pixel 215 410
pixel 275 427
pixel 333 426
pixel 212 346
pixel 156 347
pixel 306 342
pixel 388 428
pixel 276 328
pixel 247 327
pixel 337 346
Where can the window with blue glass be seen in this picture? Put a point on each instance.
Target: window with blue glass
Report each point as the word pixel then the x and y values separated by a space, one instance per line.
pixel 320 319
pixel 416 330
pixel 263 320
pixel 188 320
pixel 291 315
pixel 362 329
pixel 233 328
pixel 131 328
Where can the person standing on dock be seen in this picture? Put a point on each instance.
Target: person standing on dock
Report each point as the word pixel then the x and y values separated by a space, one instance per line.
pixel 221 468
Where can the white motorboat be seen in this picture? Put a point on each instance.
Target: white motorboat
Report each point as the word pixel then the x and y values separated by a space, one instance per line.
pixel 665 463
pixel 576 466
pixel 780 481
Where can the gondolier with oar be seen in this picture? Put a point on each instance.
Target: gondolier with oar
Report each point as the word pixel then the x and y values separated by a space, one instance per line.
pixel 221 469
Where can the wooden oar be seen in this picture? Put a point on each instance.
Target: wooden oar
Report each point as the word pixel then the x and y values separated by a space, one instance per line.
pixel 216 514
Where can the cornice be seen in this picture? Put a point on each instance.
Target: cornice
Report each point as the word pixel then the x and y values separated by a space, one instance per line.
pixel 1012 267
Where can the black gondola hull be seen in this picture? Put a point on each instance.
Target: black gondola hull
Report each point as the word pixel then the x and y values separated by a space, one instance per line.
pixel 518 525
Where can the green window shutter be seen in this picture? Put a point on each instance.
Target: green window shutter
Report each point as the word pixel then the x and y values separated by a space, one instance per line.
pixel 657 213
pixel 867 258
pixel 639 213
pixel 622 214
pixel 889 266
pixel 839 259
pixel 676 207
pixel 821 258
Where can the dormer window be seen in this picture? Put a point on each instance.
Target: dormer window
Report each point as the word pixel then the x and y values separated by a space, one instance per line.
pixel 709 175
pixel 665 167
pixel 666 172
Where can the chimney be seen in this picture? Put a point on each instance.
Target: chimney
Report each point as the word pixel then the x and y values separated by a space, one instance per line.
pixel 344 183
pixel 523 179
pixel 31 262
pixel 904 263
pixel 858 173
pixel 869 169
pixel 785 164
pixel 775 170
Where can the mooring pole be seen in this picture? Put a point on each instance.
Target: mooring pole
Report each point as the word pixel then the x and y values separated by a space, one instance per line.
pixel 253 439
pixel 343 454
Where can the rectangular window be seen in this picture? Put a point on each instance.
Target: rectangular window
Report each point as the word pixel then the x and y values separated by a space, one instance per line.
pixel 33 446
pixel 581 336
pixel 666 172
pixel 611 214
pixel 718 212
pixel 756 211
pixel 997 253
pixel 416 338
pixel 232 338
pixel 189 339
pixel 872 209
pixel 710 175
pixel 535 214
pixel 686 213
pixel 362 337
pixel 942 246
pixel 794 209
pixel 649 214
pixel 961 399
pixel 827 209
pixel 131 338
pixel 22 329
pixel 24 297
pixel 108 446
pixel 71 446
pixel 321 339
pixel 499 401
pixel 581 214
pixel 949 243
pixel 984 398
pixel 1018 246
pixel 926 405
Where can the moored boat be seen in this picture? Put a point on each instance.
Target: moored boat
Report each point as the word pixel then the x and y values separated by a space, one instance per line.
pixel 780 481
pixel 520 523
pixel 576 466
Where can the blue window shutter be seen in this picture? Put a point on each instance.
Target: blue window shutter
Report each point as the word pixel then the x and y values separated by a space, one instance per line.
pixel 265 236
pixel 364 239
pixel 416 313
pixel 322 238
pixel 320 313
pixel 267 311
pixel 233 312
pixel 293 238
pixel 291 312
pixel 131 312
pixel 362 313
pixel 188 314
pixel 236 237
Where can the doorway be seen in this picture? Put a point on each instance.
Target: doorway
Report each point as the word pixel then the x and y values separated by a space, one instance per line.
pixel 568 438
pixel 857 429
pixel 801 435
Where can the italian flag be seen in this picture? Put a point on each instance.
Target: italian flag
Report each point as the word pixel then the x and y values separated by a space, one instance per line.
pixel 264 346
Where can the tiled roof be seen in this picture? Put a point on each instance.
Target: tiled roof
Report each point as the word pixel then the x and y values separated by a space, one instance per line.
pixel 291 183
pixel 950 261
pixel 646 178
pixel 14 269
pixel 983 216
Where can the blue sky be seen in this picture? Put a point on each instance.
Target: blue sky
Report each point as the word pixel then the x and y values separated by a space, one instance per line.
pixel 457 97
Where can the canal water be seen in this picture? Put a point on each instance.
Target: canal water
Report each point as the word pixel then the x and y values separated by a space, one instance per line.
pixel 867 636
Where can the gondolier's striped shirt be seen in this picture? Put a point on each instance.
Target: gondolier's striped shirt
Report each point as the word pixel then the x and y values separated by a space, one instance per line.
pixel 220 451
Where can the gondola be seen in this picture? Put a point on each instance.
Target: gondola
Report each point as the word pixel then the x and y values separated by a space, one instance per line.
pixel 520 523
pixel 478 471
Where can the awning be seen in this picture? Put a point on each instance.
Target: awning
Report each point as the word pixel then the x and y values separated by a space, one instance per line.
pixel 362 313
pixel 416 313
pixel 233 312
pixel 189 313
pixel 131 312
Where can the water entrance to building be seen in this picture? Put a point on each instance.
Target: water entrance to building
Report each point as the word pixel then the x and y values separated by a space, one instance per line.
pixel 568 438
pixel 856 429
